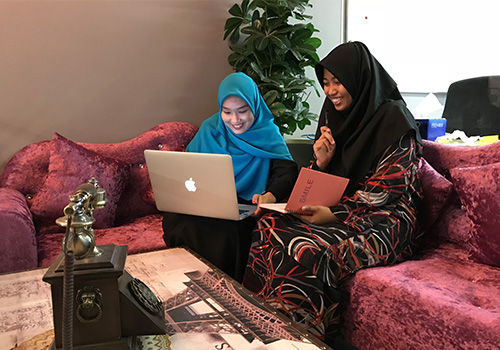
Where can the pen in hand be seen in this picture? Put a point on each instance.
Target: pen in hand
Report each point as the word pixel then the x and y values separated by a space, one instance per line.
pixel 324 147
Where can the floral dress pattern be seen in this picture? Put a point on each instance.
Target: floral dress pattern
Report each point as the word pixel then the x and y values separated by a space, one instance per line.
pixel 297 267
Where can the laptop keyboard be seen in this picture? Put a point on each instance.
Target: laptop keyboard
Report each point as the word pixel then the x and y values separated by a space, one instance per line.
pixel 245 210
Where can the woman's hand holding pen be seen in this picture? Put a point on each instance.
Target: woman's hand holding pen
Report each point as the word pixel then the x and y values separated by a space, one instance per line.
pixel 324 148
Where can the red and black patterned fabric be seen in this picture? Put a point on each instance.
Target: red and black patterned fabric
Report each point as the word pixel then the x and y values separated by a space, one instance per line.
pixel 297 267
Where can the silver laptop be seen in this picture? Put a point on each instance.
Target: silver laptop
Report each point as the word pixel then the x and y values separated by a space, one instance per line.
pixel 195 183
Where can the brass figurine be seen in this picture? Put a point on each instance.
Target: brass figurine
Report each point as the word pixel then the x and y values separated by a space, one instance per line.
pixel 79 216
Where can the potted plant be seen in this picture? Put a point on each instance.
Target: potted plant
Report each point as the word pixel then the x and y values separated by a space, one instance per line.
pixel 272 42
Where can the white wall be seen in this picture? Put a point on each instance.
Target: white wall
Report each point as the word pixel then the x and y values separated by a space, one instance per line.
pixel 426 45
pixel 328 19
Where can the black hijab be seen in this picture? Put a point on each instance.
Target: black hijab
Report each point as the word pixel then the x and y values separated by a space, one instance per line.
pixel 370 124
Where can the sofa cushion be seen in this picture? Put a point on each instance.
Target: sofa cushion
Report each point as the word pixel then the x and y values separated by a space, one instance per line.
pixel 141 235
pixel 478 188
pixel 443 300
pixel 71 165
pixel 27 169
pixel 169 136
pixel 18 233
pixel 436 188
pixel 453 224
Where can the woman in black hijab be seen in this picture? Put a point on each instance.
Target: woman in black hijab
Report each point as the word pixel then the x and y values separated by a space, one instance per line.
pixel 365 133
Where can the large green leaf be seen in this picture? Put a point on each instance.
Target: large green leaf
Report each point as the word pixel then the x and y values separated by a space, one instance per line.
pixel 314 42
pixel 232 23
pixel 297 54
pixel 255 16
pixel 305 48
pixel 232 26
pixel 236 11
pixel 258 70
pixel 270 96
pixel 302 123
pixel 301 35
pixel 281 41
pixel 262 43
pixel 252 30
pixel 277 108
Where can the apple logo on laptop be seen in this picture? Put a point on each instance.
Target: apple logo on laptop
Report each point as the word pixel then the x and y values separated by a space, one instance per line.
pixel 190 185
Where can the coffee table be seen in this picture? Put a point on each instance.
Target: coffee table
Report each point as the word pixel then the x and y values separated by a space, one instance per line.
pixel 204 308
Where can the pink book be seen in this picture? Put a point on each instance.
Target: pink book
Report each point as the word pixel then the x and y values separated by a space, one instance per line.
pixel 312 188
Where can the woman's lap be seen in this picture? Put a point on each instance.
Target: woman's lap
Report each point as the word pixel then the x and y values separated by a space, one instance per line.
pixel 224 243
pixel 296 266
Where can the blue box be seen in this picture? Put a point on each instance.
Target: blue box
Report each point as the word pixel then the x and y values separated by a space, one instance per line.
pixel 430 129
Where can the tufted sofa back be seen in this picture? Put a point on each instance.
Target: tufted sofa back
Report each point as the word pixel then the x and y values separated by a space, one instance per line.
pixel 28 168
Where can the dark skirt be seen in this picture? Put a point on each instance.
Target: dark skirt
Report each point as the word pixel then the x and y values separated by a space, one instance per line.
pixel 298 267
pixel 224 243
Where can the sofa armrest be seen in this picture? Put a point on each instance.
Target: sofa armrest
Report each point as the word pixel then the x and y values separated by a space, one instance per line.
pixel 18 235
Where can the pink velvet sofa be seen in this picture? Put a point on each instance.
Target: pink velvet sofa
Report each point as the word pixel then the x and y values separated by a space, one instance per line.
pixel 36 183
pixel 448 295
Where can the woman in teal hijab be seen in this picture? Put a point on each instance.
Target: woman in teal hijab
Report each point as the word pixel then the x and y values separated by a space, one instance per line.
pixel 231 131
pixel 263 169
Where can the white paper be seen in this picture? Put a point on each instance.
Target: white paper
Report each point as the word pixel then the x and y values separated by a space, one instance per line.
pixel 280 207
pixel 429 108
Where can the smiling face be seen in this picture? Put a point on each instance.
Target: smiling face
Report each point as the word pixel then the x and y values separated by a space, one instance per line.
pixel 335 91
pixel 236 114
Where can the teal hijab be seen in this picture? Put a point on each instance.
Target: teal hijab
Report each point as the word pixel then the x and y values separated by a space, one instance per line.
pixel 251 151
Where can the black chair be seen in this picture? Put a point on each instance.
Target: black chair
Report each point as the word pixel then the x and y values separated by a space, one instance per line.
pixel 473 106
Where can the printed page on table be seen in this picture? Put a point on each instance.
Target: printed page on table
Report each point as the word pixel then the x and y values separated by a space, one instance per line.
pixel 205 309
